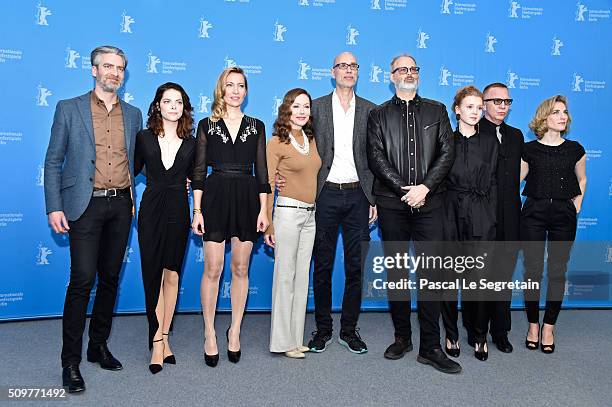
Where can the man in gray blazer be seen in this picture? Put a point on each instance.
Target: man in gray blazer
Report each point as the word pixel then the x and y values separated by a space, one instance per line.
pixel 344 199
pixel 89 179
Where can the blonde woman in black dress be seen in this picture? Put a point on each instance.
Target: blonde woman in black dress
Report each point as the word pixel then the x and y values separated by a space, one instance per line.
pixel 166 147
pixel 229 205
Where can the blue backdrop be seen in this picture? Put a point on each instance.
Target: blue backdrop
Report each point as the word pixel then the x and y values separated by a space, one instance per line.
pixel 539 48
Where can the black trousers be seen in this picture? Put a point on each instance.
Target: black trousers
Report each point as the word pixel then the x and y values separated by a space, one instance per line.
pixel 475 311
pixel 97 247
pixel 506 254
pixel 403 225
pixel 550 224
pixel 347 209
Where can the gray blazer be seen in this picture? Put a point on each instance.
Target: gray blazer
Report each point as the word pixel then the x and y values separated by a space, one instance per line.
pixel 70 162
pixel 323 120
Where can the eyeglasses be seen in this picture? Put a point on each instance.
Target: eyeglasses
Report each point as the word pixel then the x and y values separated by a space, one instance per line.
pixel 344 66
pixel 497 101
pixel 403 70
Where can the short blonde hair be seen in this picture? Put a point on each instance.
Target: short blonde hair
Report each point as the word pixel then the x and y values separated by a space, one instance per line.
pixel 218 107
pixel 538 123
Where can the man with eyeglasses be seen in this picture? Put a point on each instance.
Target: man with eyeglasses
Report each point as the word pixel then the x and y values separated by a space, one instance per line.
pixel 344 200
pixel 89 179
pixel 410 149
pixel 497 106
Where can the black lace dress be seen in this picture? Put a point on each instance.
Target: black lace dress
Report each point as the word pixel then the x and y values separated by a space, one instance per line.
pixel 230 200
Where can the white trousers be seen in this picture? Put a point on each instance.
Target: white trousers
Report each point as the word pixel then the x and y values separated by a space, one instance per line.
pixel 295 233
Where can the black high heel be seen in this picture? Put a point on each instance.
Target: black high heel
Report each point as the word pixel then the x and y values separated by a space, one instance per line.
pixel 170 359
pixel 533 345
pixel 232 356
pixel 548 349
pixel 480 352
pixel 211 360
pixel 155 367
pixel 454 351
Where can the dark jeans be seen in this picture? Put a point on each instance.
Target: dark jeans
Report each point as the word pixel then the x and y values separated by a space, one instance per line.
pixel 347 209
pixel 97 247
pixel 403 225
pixel 542 220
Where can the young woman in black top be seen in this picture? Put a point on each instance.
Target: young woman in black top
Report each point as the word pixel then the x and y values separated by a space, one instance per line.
pixel 470 205
pixel 555 172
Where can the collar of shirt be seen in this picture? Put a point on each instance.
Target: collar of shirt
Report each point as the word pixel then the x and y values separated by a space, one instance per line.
pixel 99 101
pixel 337 104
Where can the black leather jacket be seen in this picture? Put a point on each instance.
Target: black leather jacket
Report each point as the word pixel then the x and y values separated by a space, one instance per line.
pixel 387 149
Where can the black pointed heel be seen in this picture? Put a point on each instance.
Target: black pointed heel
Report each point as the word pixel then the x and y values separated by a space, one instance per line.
pixel 155 368
pixel 232 356
pixel 170 359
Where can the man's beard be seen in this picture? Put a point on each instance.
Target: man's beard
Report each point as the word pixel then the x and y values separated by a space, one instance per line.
pixel 408 86
pixel 107 86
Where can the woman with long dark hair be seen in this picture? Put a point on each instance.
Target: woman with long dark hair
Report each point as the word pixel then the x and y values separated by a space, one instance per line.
pixel 229 205
pixel 166 147
pixel 292 153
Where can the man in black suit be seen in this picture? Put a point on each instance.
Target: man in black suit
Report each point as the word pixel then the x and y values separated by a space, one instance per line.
pixel 497 106
pixel 344 200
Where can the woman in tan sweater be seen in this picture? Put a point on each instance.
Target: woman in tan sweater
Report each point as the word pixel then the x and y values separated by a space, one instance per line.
pixel 292 153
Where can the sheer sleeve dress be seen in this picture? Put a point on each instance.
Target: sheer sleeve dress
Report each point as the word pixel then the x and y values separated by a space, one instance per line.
pixel 230 200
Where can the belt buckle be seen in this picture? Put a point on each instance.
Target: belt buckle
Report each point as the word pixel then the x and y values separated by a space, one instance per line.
pixel 108 192
pixel 340 186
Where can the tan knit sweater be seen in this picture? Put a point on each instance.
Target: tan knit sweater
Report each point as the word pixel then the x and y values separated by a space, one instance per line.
pixel 299 171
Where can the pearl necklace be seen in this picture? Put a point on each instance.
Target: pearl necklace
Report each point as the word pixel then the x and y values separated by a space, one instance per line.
pixel 303 149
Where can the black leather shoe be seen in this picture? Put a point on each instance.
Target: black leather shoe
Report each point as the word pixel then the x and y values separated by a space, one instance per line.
pixel 100 354
pixel 439 361
pixel 503 344
pixel 399 348
pixel 72 379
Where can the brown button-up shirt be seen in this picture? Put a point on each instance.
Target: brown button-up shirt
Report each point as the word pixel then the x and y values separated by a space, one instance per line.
pixel 111 154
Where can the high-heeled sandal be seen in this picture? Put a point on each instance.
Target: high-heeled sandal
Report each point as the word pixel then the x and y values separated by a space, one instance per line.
pixel 211 360
pixel 548 349
pixel 532 345
pixel 156 367
pixel 170 359
pixel 481 351
pixel 232 356
pixel 454 350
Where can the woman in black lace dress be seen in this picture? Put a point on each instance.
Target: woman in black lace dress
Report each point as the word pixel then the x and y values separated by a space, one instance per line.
pixel 229 205
pixel 166 147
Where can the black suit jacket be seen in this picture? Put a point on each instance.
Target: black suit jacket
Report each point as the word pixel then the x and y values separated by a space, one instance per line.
pixel 323 120
pixel 508 179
